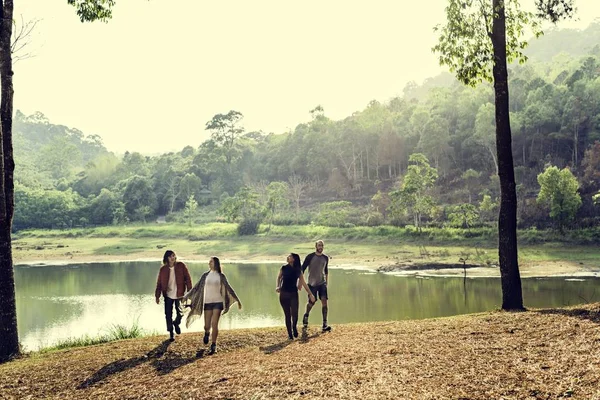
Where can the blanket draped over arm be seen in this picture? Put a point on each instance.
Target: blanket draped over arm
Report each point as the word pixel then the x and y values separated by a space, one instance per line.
pixel 195 297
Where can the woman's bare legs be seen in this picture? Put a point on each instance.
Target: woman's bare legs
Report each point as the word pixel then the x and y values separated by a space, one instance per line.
pixel 207 320
pixel 214 325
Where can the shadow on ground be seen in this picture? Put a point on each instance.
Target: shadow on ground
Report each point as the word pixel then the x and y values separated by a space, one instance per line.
pixel 275 347
pixel 304 338
pixel 162 365
pixel 589 315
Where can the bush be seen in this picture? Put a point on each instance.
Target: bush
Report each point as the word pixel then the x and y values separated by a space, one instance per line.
pixel 287 219
pixel 248 226
pixel 375 219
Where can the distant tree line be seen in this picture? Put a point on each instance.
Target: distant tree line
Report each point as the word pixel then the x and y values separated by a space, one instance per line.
pixel 425 158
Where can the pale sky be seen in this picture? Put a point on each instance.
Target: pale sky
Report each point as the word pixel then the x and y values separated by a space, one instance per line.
pixel 150 79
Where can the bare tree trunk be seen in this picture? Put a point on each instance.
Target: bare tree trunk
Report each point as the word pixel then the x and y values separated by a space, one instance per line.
pixel 354 156
pixel 575 142
pixel 512 296
pixel 532 146
pixel 362 167
pixel 297 186
pixel 172 188
pixel 494 158
pixel 9 339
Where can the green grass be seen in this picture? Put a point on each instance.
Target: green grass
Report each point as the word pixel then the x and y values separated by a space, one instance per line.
pixel 440 236
pixel 115 332
pixel 361 244
pixel 162 231
pixel 123 247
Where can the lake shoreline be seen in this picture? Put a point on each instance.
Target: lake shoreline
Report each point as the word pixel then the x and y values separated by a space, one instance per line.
pixel 394 258
pixel 551 270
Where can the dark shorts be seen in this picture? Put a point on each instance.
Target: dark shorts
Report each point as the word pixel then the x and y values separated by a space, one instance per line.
pixel 213 306
pixel 319 291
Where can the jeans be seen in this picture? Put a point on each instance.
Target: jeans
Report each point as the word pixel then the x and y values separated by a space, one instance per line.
pixel 169 303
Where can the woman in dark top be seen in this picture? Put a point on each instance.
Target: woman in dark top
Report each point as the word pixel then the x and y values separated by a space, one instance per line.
pixel 287 287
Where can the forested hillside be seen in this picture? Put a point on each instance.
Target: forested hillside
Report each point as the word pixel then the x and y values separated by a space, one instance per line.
pixel 425 158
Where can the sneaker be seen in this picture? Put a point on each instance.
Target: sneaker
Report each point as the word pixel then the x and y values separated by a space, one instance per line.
pixel 295 330
pixel 206 335
pixel 171 336
pixel 305 320
pixel 177 328
pixel 213 348
pixel 290 337
pixel 326 328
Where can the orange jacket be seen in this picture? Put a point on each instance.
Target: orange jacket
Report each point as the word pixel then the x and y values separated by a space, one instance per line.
pixel 182 280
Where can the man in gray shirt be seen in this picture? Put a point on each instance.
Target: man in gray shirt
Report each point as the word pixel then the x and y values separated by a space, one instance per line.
pixel 318 277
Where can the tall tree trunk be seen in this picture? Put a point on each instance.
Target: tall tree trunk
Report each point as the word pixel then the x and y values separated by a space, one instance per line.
pixel 354 157
pixel 512 296
pixel 9 339
pixel 362 167
pixel 575 142
pixel 494 155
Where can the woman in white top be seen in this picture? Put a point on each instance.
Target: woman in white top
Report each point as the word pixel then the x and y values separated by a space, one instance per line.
pixel 212 295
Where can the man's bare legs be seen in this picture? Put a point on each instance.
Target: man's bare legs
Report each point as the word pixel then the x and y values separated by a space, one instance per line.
pixel 324 310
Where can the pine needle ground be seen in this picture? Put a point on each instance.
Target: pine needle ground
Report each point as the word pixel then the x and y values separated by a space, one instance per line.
pixel 537 354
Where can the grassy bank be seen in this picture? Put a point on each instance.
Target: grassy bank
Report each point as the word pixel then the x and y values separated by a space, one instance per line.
pixel 349 247
pixel 114 333
pixel 435 236
pixel 538 354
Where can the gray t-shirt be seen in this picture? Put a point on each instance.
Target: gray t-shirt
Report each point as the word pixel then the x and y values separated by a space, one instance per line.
pixel 317 268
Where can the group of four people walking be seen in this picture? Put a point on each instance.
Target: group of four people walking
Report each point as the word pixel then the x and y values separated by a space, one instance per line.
pixel 213 295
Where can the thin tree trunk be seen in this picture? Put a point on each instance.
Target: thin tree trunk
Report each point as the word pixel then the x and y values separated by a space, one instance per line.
pixel 368 172
pixel 575 143
pixel 354 157
pixel 173 195
pixel 9 339
pixel 362 167
pixel 532 146
pixel 512 296
pixel 494 157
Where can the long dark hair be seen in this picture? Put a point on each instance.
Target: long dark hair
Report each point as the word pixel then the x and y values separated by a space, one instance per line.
pixel 168 254
pixel 296 258
pixel 217 264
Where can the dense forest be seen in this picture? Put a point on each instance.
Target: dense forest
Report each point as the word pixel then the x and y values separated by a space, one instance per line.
pixel 424 158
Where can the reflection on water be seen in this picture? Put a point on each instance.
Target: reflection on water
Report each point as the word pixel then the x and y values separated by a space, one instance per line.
pixel 58 302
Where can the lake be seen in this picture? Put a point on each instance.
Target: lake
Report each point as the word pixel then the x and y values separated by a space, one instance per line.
pixel 58 302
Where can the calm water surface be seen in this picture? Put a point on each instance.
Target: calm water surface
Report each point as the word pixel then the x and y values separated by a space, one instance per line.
pixel 58 302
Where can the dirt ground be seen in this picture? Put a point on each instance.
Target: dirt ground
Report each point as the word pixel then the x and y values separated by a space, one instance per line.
pixel 537 354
